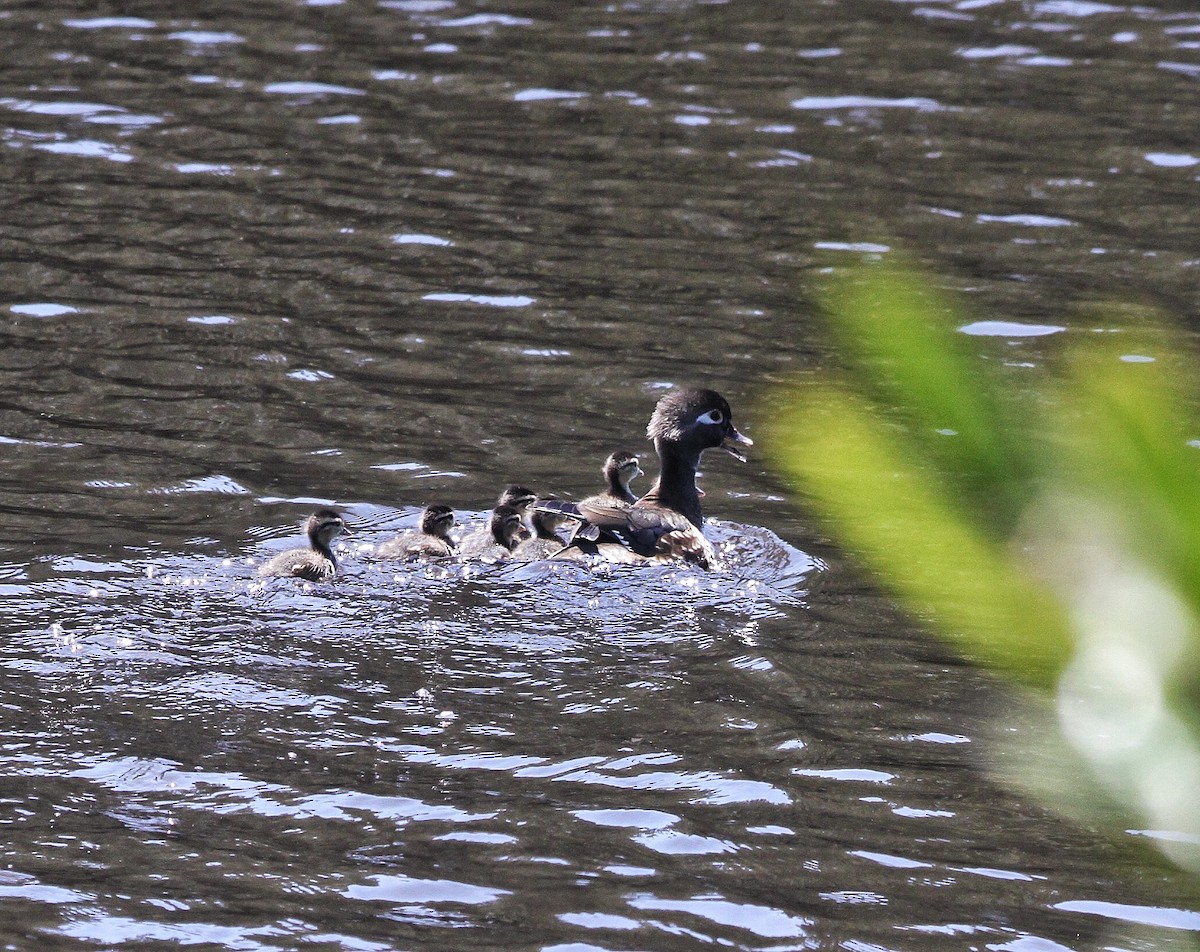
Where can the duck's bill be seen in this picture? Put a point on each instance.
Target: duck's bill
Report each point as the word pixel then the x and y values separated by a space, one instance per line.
pixel 736 437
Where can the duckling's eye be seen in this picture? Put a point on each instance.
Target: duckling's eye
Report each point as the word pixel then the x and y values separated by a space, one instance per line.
pixel 712 416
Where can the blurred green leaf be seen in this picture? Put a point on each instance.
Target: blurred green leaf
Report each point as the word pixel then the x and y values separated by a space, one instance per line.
pixel 896 331
pixel 1052 533
pixel 902 519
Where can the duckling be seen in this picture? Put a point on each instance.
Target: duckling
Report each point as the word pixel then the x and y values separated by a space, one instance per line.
pixel 431 541
pixel 545 541
pixel 481 540
pixel 507 531
pixel 317 563
pixel 620 469
pixel 665 524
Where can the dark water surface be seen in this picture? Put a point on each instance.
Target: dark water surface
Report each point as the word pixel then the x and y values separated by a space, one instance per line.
pixel 259 256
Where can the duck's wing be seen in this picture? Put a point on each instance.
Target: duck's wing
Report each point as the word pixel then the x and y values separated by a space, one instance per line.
pixel 534 550
pixel 687 544
pixel 558 507
pixel 577 527
pixel 394 548
pixel 639 529
pixel 313 573
pixel 476 543
pixel 622 533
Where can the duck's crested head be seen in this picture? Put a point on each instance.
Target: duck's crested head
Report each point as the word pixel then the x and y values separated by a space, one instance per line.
pixel 516 496
pixel 437 520
pixel 699 417
pixel 507 527
pixel 622 466
pixel 326 525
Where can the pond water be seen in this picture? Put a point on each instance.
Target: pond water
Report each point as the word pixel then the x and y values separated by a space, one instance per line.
pixel 263 257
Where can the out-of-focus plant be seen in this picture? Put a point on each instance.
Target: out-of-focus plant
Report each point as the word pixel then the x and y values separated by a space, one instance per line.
pixel 1051 530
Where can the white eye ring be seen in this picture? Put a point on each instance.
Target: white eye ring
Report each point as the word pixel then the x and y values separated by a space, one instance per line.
pixel 712 416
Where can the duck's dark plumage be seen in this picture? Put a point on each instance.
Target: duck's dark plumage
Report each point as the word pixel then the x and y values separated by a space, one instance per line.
pixel 665 524
pixel 685 423
pixel 316 563
pixel 431 541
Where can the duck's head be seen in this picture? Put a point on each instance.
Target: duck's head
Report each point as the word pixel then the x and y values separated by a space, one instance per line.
pixel 507 527
pixel 516 496
pixel 621 468
pixel 437 520
pixel 325 525
pixel 699 419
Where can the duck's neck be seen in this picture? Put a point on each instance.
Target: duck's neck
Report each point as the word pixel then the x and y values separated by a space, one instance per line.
pixel 675 487
pixel 319 545
pixel 619 489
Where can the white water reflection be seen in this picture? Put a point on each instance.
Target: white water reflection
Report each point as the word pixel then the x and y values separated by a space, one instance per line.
pixel 404 889
pixel 1142 915
pixel 86 148
pixel 760 920
pixel 43 310
pixel 1009 329
pixel 111 23
pixel 919 103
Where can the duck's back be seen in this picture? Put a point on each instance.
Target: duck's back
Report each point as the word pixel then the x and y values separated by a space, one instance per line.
pixel 478 543
pixel 607 501
pixel 648 532
pixel 415 545
pixel 534 550
pixel 299 563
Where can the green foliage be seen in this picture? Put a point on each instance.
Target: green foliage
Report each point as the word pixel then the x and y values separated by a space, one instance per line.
pixel 1051 530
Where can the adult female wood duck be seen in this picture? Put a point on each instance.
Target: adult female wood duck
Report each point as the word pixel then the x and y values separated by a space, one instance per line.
pixel 431 541
pixel 317 563
pixel 507 529
pixel 665 523
pixel 481 540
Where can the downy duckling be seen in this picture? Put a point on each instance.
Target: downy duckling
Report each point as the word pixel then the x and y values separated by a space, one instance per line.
pixel 620 469
pixel 431 541
pixel 317 563
pixel 507 531
pixel 545 541
pixel 481 540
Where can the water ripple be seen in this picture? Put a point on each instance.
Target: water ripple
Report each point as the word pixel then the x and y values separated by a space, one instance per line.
pixel 533 221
